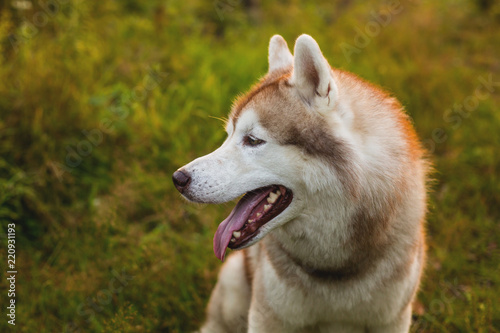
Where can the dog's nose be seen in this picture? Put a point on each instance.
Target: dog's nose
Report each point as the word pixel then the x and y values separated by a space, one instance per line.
pixel 181 180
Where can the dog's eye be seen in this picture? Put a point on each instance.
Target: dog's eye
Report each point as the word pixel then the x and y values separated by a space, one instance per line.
pixel 252 141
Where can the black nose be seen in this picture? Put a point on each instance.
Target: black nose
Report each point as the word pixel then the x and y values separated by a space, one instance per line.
pixel 181 180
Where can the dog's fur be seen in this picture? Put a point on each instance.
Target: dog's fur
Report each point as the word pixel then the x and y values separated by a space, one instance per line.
pixel 347 254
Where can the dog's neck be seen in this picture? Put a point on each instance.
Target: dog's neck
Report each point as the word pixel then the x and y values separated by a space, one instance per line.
pixel 320 273
pixel 323 241
pixel 318 238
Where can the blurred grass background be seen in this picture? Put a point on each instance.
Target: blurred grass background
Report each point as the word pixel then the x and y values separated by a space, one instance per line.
pixel 100 101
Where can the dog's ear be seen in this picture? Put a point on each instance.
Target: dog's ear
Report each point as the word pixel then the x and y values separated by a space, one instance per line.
pixel 311 72
pixel 279 54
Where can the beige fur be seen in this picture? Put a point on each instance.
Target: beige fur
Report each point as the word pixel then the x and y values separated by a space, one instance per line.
pixel 348 253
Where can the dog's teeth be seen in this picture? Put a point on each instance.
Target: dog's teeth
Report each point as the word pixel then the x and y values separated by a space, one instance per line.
pixel 267 207
pixel 278 193
pixel 233 240
pixel 251 221
pixel 259 215
pixel 236 234
pixel 272 197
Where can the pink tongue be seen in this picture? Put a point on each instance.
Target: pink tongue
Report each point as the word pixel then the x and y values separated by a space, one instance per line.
pixel 235 221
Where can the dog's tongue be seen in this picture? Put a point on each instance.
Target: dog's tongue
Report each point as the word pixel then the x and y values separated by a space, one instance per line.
pixel 235 221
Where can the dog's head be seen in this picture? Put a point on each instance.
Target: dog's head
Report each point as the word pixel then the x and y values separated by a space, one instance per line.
pixel 286 141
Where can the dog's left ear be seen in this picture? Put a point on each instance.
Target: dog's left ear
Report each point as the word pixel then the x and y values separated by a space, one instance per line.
pixel 311 72
pixel 279 54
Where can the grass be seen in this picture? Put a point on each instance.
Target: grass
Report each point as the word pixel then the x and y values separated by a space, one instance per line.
pixel 104 243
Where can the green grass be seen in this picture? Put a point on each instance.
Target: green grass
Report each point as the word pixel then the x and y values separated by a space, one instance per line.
pixel 105 243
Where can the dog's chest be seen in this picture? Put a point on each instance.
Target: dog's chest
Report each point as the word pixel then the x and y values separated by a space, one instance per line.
pixel 307 303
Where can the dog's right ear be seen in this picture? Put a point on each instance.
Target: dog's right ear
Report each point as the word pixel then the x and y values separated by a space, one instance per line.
pixel 312 73
pixel 279 54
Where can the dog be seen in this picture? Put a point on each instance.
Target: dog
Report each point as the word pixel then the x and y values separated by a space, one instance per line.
pixel 331 220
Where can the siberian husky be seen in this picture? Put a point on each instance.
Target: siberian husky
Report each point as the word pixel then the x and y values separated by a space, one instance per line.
pixel 331 222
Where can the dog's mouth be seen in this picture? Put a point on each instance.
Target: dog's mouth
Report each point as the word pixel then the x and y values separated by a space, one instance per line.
pixel 254 210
